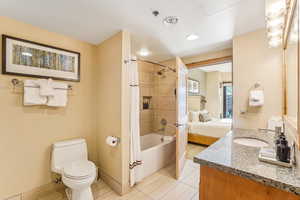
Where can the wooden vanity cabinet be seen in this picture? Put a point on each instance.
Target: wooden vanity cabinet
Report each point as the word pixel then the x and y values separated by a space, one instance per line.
pixel 218 185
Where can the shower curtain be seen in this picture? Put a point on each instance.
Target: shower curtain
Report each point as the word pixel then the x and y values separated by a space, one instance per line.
pixel 135 147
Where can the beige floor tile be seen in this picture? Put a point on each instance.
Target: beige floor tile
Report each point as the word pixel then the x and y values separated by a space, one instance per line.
pixel 180 192
pixel 196 196
pixel 111 195
pixel 187 171
pixel 169 171
pixel 193 150
pixel 192 180
pixel 133 195
pixel 192 164
pixel 99 189
pixel 161 185
pixel 157 186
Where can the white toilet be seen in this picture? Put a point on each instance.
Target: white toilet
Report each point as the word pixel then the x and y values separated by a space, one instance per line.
pixel 70 159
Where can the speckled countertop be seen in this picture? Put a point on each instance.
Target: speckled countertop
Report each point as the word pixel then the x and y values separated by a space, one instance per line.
pixel 241 160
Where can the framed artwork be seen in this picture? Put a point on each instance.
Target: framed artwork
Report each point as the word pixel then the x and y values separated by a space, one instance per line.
pixel 193 87
pixel 27 58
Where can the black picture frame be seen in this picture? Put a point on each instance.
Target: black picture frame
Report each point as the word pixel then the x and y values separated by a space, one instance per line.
pixel 5 64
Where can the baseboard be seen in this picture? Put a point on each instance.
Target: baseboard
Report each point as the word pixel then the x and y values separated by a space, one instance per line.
pixel 111 182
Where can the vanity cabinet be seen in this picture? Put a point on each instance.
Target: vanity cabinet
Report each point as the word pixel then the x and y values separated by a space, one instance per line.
pixel 232 171
pixel 216 184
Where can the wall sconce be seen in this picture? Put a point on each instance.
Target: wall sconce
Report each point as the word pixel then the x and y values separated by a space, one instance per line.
pixel 275 20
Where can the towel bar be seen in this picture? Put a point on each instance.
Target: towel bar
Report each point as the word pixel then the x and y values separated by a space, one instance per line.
pixel 17 82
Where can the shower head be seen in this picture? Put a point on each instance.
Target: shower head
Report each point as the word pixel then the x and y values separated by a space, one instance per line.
pixel 161 72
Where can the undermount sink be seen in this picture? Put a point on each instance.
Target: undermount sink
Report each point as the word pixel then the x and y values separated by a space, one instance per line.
pixel 251 142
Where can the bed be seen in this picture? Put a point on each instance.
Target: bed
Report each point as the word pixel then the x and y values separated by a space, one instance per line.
pixel 206 133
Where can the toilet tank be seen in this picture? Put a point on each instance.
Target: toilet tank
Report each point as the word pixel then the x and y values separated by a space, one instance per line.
pixel 66 152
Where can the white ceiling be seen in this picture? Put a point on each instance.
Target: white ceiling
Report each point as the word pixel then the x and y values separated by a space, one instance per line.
pixel 215 21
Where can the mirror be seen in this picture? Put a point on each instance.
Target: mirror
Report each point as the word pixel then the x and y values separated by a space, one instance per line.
pixel 291 68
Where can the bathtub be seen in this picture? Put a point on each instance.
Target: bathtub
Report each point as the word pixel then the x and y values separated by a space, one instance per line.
pixel 156 153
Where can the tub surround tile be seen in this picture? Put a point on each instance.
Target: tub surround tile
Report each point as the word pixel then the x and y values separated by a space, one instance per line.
pixel 230 157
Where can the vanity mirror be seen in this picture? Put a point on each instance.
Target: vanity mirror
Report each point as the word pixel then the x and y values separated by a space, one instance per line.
pixel 291 70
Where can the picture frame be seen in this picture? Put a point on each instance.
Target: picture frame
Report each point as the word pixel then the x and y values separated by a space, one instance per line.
pixel 27 58
pixel 193 87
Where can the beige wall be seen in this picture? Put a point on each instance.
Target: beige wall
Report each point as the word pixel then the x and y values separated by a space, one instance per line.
pixel 254 61
pixel 199 75
pixel 28 132
pixel 194 102
pixel 111 104
pixel 212 94
pixel 207 56
pixel 225 77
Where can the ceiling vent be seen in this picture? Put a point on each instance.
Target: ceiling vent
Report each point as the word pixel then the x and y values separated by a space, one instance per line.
pixel 171 20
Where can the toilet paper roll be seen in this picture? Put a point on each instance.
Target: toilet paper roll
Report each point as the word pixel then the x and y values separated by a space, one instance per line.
pixel 112 141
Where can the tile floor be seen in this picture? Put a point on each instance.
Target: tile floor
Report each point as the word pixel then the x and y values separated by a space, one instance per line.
pixel 193 149
pixel 159 186
pixel 162 185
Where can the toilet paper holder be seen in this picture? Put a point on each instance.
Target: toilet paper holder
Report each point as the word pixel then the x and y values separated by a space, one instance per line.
pixel 113 140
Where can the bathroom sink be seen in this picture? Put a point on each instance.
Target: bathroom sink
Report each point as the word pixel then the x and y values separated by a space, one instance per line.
pixel 251 142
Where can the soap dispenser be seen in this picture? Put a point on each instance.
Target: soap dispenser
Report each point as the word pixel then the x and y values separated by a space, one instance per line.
pixel 283 150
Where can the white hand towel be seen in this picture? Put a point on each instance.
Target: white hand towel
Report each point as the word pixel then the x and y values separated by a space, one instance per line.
pixel 32 94
pixel 60 97
pixel 256 98
pixel 46 87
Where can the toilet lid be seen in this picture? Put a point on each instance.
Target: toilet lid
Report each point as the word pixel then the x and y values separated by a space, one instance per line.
pixel 79 169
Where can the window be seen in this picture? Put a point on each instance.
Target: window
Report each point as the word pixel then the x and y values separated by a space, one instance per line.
pixel 227 100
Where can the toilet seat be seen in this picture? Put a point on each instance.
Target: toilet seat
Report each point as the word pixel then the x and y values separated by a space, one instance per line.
pixel 79 170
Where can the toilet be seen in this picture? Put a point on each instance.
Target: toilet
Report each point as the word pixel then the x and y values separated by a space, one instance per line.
pixel 70 160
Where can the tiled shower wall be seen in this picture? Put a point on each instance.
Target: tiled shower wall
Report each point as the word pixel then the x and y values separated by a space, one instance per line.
pixel 163 102
pixel 146 82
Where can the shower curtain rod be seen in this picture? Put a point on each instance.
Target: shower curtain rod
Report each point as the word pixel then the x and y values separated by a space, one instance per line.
pixel 151 62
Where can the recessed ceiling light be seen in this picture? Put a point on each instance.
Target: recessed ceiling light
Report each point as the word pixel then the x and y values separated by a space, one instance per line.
pixel 192 37
pixel 171 20
pixel 144 52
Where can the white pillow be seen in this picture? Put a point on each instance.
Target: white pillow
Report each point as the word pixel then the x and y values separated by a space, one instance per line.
pixel 194 116
pixel 203 111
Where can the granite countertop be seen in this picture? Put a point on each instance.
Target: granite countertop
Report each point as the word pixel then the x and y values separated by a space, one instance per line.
pixel 241 160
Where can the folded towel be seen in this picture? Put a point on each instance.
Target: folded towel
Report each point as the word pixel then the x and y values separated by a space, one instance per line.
pixel 46 87
pixel 256 98
pixel 60 97
pixel 32 94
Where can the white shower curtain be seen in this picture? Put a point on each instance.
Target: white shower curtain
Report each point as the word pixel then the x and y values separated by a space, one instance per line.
pixel 135 147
